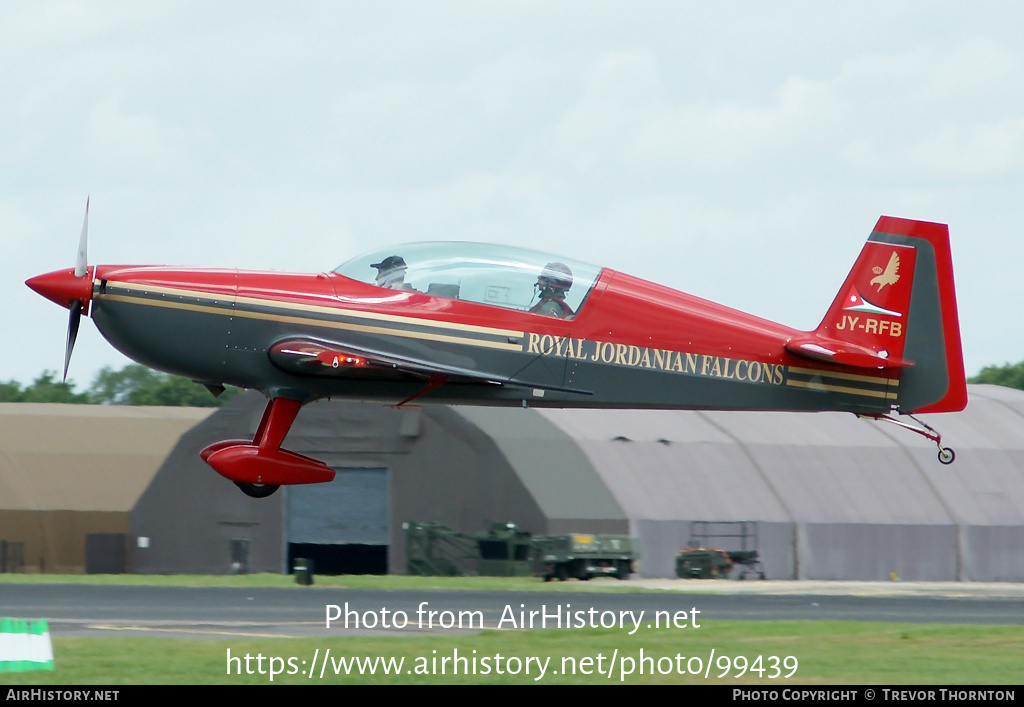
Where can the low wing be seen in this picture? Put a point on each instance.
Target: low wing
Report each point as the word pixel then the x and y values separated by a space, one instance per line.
pixel 315 357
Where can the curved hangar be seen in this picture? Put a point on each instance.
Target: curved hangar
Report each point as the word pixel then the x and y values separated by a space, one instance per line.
pixel 833 497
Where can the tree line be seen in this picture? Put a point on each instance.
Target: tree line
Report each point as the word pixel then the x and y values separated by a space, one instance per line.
pixel 132 385
pixel 137 385
pixel 1009 375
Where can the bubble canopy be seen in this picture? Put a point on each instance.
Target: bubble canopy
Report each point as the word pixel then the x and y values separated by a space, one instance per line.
pixel 503 276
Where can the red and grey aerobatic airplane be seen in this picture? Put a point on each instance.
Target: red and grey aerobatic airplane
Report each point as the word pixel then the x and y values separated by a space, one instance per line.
pixel 480 324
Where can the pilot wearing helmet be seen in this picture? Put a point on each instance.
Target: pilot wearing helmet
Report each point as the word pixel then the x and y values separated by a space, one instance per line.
pixel 391 273
pixel 553 284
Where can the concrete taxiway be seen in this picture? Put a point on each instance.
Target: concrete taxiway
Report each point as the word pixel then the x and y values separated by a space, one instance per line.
pixel 92 610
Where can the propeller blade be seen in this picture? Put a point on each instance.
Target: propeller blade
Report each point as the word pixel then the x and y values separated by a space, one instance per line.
pixel 73 322
pixel 82 260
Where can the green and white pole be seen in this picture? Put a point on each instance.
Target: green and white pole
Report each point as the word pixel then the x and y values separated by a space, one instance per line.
pixel 25 645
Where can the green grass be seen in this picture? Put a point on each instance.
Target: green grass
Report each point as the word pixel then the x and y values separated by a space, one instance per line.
pixel 828 652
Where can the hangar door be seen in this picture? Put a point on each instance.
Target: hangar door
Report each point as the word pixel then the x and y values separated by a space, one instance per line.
pixel 342 526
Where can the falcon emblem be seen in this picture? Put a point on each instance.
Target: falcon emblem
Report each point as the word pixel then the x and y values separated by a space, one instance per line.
pixel 891 275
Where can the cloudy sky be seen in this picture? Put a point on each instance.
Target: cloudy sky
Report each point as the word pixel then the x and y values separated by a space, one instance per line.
pixel 738 151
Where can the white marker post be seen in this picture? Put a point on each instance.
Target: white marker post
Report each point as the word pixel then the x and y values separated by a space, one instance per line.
pixel 25 645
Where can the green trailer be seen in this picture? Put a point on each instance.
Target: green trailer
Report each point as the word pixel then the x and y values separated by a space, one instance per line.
pixel 705 558
pixel 436 550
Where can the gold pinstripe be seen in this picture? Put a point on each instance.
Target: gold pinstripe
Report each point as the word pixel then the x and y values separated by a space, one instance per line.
pixel 398 319
pixel 227 311
pixel 842 389
pixel 845 376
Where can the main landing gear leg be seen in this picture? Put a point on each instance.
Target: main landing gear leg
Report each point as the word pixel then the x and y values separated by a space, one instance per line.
pixel 259 467
pixel 946 454
pixel 277 419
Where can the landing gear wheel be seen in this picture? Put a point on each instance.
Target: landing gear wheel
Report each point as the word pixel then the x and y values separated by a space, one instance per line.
pixel 257 490
pixel 946 455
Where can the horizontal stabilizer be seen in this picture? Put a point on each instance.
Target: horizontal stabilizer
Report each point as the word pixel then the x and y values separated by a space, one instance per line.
pixel 844 353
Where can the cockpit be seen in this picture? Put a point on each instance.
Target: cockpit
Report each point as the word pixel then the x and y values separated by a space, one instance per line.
pixel 503 276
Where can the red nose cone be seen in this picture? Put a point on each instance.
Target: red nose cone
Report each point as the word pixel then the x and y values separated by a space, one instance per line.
pixel 62 287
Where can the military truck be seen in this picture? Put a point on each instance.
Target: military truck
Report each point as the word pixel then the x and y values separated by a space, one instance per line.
pixel 504 551
pixel 584 556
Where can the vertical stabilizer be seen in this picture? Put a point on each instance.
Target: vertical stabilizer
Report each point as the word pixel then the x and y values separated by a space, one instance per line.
pixel 899 303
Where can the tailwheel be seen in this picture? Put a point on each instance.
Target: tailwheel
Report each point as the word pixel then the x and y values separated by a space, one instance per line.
pixel 946 455
pixel 257 490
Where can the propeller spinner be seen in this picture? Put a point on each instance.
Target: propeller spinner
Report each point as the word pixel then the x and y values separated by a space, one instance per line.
pixel 71 288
